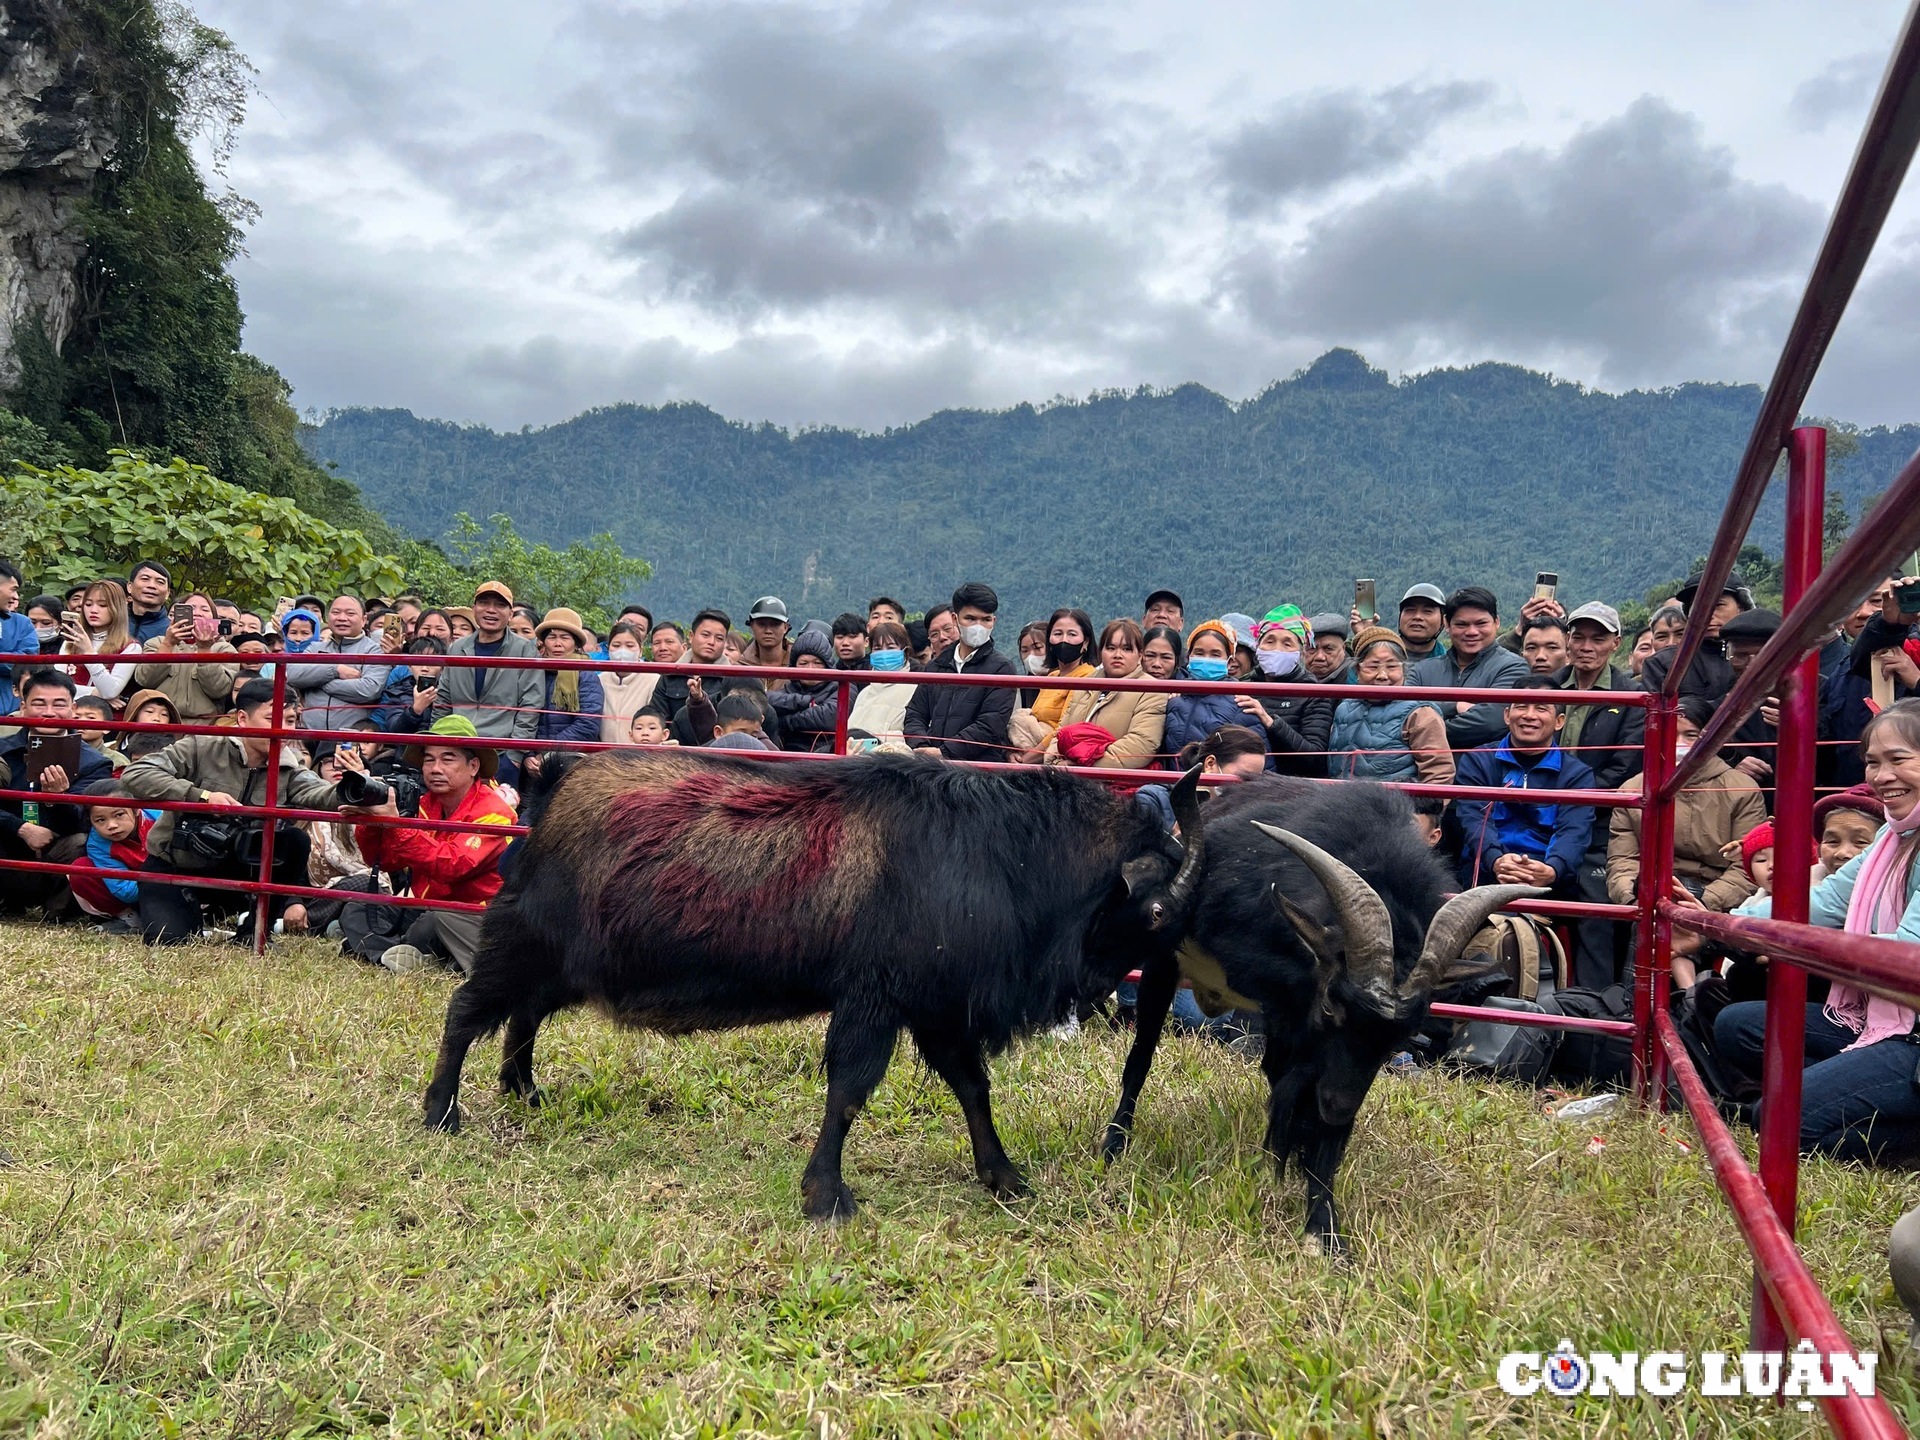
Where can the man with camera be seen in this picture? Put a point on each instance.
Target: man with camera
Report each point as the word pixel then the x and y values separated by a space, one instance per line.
pixel 229 771
pixel 440 864
pixel 198 692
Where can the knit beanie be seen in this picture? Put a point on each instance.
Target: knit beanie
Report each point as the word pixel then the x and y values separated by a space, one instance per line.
pixel 812 642
pixel 1858 797
pixel 1286 617
pixel 1753 842
pixel 1216 627
pixel 1372 635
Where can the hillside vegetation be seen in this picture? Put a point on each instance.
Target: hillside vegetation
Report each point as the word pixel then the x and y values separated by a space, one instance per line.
pixel 1484 474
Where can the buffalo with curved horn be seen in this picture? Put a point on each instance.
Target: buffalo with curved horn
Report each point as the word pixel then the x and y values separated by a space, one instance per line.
pixel 1324 909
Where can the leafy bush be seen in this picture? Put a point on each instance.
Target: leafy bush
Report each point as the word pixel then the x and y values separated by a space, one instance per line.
pixel 67 524
pixel 589 575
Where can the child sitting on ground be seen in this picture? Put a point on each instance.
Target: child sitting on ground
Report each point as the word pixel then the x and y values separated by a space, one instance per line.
pixel 116 847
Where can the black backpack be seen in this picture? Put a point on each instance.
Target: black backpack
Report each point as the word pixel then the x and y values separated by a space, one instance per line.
pixel 1586 1058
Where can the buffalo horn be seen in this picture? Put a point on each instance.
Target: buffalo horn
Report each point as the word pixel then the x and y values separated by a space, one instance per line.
pixel 1364 922
pixel 1186 810
pixel 1457 922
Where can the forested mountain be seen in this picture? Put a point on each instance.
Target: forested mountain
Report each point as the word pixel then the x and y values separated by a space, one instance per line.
pixel 1484 474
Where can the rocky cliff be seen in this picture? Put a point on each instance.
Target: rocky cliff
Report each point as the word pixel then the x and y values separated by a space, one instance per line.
pixel 51 146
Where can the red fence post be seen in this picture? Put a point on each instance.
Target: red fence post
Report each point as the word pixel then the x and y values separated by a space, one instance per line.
pixel 843 705
pixel 262 923
pixel 1656 868
pixel 1793 853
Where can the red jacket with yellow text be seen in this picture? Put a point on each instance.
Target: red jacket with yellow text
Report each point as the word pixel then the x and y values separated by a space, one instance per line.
pixel 444 864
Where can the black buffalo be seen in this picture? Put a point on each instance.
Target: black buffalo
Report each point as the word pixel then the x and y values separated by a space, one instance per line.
pixel 1324 909
pixel 682 893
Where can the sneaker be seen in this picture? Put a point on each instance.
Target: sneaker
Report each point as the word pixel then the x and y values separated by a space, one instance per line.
pixel 1402 1064
pixel 405 959
pixel 119 925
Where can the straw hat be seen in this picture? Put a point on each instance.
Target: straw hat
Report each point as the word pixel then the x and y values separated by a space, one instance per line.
pixel 561 618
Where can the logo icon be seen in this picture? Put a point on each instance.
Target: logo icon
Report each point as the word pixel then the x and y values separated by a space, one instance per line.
pixel 1566 1372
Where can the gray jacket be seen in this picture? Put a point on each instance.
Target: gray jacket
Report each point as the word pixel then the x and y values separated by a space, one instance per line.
pixel 1492 669
pixel 508 705
pixel 328 702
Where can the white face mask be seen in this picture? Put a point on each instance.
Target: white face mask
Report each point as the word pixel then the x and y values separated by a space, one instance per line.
pixel 974 636
pixel 1036 664
pixel 622 653
pixel 47 632
pixel 1680 750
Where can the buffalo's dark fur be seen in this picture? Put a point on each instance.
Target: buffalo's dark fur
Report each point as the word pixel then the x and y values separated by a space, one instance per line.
pixel 947 902
pixel 1325 1037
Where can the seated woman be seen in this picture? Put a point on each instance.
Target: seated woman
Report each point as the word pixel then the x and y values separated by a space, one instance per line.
pixel 1390 739
pixel 1858 1098
pixel 878 720
pixel 1713 812
pixel 1135 721
pixel 1070 653
pixel 1195 717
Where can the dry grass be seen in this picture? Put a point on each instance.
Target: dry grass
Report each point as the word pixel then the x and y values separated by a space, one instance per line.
pixel 219 1216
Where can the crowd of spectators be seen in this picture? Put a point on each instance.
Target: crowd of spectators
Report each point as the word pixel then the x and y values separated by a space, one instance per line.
pixel 376 668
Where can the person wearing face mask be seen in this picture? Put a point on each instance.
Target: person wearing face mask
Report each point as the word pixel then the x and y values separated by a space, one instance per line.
pixel 879 713
pixel 1069 653
pixel 1713 810
pixel 965 722
pixel 1297 726
pixel 622 696
pixel 1033 658
pixel 1192 718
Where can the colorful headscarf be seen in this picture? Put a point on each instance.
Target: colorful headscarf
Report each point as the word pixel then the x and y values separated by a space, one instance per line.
pixel 1217 627
pixel 1286 617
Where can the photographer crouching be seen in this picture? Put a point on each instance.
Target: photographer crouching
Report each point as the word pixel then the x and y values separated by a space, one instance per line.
pixel 225 770
pixel 440 864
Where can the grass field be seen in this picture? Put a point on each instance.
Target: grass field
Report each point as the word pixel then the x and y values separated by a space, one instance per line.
pixel 219 1217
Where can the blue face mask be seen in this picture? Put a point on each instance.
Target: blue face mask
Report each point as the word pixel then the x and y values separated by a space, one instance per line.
pixel 887 660
pixel 1204 667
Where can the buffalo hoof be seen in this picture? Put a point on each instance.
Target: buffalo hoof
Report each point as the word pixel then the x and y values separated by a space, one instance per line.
pixel 1115 1145
pixel 1006 1183
pixel 827 1204
pixel 525 1089
pixel 447 1119
pixel 1334 1245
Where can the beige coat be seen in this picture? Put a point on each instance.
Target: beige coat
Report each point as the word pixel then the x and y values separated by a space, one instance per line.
pixel 197 691
pixel 621 698
pixel 1716 806
pixel 1137 722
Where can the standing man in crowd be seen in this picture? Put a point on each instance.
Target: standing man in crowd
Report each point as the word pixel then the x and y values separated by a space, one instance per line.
pixel 342 685
pixel 849 642
pixel 198 692
pixel 1543 644
pixel 17 635
pixel 1164 607
pixel 501 704
pixel 1422 615
pixel 1475 661
pixel 149 588
pixel 1328 660
pixel 964 722
pixel 1709 676
pixel 768 622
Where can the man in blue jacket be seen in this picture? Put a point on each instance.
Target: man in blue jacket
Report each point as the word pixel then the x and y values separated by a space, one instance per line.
pixel 1512 843
pixel 16 635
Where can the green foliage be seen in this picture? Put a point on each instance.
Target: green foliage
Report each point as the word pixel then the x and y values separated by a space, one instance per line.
pixel 1458 476
pixel 24 443
pixel 589 575
pixel 68 524
pixel 153 361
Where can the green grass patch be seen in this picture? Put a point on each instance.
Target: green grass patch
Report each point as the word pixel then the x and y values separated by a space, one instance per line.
pixel 219 1216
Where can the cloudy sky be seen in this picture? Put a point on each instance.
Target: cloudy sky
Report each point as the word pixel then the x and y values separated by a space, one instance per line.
pixel 860 213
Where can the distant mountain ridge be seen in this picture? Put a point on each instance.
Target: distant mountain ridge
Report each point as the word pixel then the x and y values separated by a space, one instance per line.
pixel 1477 475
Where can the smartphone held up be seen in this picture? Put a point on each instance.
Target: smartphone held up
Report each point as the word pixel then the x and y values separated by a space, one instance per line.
pixel 1366 601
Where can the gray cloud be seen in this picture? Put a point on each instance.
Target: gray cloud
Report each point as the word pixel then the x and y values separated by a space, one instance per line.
pixel 1637 245
pixel 1842 91
pixel 1314 142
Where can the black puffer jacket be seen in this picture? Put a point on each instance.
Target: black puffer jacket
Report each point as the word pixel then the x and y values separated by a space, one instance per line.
pixel 964 722
pixel 1297 738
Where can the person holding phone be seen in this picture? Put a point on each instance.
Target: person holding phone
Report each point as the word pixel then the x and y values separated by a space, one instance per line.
pixel 99 627
pixel 30 830
pixel 198 692
pixel 406 705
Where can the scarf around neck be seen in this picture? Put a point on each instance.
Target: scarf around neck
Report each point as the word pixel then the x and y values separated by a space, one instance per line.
pixel 1875 907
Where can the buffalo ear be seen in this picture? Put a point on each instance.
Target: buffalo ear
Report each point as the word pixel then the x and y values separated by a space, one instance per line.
pixel 1315 936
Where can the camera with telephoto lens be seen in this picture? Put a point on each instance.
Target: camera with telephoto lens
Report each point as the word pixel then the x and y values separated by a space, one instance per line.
pixel 357 788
